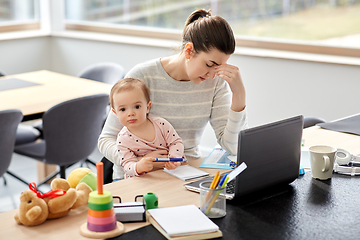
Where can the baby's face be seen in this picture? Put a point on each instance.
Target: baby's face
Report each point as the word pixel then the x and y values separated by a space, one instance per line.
pixel 131 107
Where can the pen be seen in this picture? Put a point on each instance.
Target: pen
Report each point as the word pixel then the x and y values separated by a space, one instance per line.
pixel 169 160
pixel 214 181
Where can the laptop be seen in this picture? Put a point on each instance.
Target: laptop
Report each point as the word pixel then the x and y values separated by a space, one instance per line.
pixel 271 153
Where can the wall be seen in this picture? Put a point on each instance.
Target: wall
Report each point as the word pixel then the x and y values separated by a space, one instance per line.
pixel 276 88
pixel 25 55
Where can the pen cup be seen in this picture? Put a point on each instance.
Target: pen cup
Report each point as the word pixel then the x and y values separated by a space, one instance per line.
pixel 212 201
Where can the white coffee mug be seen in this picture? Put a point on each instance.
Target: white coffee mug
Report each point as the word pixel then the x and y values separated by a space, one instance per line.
pixel 322 161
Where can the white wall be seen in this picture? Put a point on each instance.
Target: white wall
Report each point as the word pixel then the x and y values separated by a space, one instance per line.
pixel 276 88
pixel 25 55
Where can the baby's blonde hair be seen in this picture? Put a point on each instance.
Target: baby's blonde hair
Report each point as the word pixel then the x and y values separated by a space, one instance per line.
pixel 128 84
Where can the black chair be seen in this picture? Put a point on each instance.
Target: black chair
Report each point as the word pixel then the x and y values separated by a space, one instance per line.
pixel 311 121
pixel 9 121
pixel 71 130
pixel 25 133
pixel 106 72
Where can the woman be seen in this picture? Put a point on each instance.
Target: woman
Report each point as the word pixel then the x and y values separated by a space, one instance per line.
pixel 191 88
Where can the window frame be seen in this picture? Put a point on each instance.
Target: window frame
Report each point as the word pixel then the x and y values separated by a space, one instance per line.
pixel 241 41
pixel 52 20
pixel 13 26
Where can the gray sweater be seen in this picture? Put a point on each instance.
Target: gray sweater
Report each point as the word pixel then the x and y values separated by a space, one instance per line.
pixel 187 106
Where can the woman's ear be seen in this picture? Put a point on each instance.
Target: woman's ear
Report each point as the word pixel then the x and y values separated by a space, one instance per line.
pixel 189 50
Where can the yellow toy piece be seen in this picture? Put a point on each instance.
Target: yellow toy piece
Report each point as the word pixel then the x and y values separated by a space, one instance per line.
pixel 80 175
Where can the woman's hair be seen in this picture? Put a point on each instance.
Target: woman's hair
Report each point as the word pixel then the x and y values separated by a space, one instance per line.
pixel 207 32
pixel 128 84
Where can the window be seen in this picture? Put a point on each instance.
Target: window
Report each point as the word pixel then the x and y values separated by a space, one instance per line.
pixel 275 24
pixel 16 15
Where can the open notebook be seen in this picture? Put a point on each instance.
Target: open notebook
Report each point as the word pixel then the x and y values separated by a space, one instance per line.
pixel 183 222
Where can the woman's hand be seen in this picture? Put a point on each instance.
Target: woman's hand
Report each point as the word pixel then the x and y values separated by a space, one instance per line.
pixel 145 165
pixel 231 74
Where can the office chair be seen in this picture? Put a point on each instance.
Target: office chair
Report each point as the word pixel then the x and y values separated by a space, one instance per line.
pixel 311 121
pixel 9 121
pixel 25 133
pixel 71 130
pixel 106 72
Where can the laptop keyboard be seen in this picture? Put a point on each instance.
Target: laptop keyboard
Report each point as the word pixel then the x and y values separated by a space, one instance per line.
pixel 230 187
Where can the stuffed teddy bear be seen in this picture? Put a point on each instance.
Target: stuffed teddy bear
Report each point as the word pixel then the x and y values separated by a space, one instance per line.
pixel 35 207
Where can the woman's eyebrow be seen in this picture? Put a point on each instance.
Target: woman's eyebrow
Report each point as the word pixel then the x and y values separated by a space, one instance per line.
pixel 214 62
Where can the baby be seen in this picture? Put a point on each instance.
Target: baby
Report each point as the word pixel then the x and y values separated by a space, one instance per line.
pixel 141 134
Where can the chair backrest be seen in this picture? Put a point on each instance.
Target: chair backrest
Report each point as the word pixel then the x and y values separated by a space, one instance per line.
pixel 71 129
pixel 107 72
pixel 9 121
pixel 311 121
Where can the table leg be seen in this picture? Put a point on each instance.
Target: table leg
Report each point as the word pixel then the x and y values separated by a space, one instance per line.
pixel 44 170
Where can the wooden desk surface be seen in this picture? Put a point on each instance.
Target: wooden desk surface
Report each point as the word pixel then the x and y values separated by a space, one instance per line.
pixel 54 88
pixel 169 189
pixel 316 136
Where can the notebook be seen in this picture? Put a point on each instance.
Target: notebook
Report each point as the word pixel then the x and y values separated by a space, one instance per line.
pixel 271 153
pixel 186 172
pixel 183 222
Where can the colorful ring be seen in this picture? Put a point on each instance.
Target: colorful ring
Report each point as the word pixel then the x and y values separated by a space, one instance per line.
pixel 94 197
pixel 101 221
pixel 100 207
pixel 101 214
pixel 101 228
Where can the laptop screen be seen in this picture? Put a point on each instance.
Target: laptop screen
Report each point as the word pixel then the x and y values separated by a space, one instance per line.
pixel 271 153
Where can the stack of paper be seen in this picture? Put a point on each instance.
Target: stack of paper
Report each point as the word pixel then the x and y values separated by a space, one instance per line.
pixel 183 222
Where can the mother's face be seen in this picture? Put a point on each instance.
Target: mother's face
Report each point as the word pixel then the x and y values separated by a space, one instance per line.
pixel 201 66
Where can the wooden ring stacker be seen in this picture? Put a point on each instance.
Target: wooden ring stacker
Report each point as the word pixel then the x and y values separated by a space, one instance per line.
pixel 101 197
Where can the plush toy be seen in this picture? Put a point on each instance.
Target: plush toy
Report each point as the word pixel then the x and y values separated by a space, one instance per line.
pixel 80 175
pixel 35 207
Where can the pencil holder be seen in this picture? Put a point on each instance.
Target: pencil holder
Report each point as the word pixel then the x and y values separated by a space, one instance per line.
pixel 212 201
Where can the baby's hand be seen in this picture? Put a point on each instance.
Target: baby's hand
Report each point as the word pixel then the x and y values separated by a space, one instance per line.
pixel 145 165
pixel 158 154
pixel 172 165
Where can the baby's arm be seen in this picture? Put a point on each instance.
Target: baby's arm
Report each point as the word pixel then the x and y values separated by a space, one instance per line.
pixel 174 143
pixel 145 165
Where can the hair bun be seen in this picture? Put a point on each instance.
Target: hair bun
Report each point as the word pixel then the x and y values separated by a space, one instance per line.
pixel 200 13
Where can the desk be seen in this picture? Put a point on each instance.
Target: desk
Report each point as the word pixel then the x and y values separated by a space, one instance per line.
pixel 296 211
pixel 52 88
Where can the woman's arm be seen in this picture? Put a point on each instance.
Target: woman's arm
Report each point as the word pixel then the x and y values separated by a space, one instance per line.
pixel 107 139
pixel 226 122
